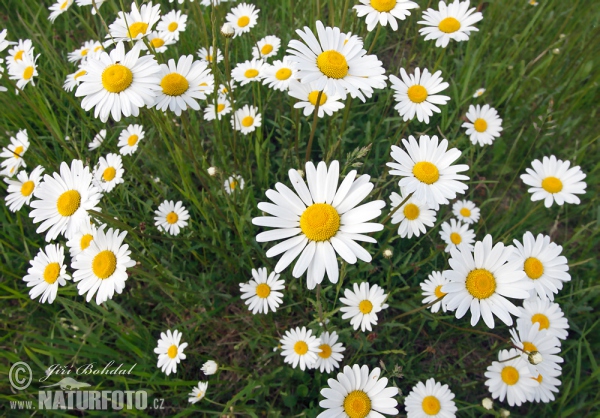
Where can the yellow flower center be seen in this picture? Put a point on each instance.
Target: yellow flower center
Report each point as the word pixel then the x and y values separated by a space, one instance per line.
pixel 109 174
pixel 174 84
pixel 85 241
pixel 251 73
pixel 510 375
pixel 220 107
pixel 411 211
pixel 172 351
pixel 426 172
pixel 116 78
pixel 301 348
pixel 283 74
pixel 480 125
pixel 19 55
pixel 438 291
pixel 132 140
pixel 68 202
pixel 172 217
pixel 314 95
pixel 417 93
pixel 98 48
pixel 172 26
pixel 18 151
pixel 84 52
pixel 319 222
pixel 157 43
pixel 233 184
pixel 263 290
pixel 449 25
pixel 325 351
pixel 534 268
pixel 137 28
pixel 267 49
pixel 365 306
pixel 465 212
pixel 383 5
pixel 357 404
pixel 455 238
pixel 27 188
pixel 28 73
pixel 538 379
pixel 542 320
pixel 247 121
pixel 104 264
pixel 431 405
pixel 62 6
pixel 552 184
pixel 529 347
pixel 51 273
pixel 79 74
pixel 243 21
pixel 332 64
pixel 481 284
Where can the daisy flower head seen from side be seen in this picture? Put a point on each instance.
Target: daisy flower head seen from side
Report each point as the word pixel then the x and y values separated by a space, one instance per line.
pixel 482 280
pixel 547 314
pixel 159 41
pixel 426 169
pixel 262 292
pixel 430 399
pixel 81 239
pixel 173 22
pixel 280 74
pixel 319 220
pixel 129 139
pixel 212 112
pixel 358 393
pixel 109 172
pixel 466 211
pixel 170 352
pixel 417 94
pixel 233 183
pixel 198 392
pixel 384 11
pixel 171 217
pixel 22 50
pixel 91 3
pixel 24 71
pixel 20 191
pixel 484 124
pixel 63 200
pixel 58 8
pixel 227 88
pixel 331 352
pixel 13 153
pixel 531 340
pixel 246 119
pixel 547 384
pixel 134 25
pixel 432 290
pixel 300 347
pixel 73 80
pixel 97 140
pixel 267 47
pixel 207 55
pixel 413 216
pixel 510 378
pixel 456 234
pixel 453 21
pixel 81 54
pixel 553 181
pixel 478 93
pixel 46 273
pixel 308 96
pixel 248 71
pixel 362 305
pixel 210 367
pixel 243 18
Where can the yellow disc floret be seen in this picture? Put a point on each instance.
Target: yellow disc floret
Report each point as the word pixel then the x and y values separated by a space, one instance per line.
pixel 383 5
pixel 51 273
pixel 172 217
pixel 263 290
pixel 449 25
pixel 283 74
pixel 510 375
pixel 137 28
pixel 552 184
pixel 426 172
pixel 333 64
pixel 301 348
pixel 542 320
pixel 417 93
pixel 411 211
pixel 27 188
pixel 431 405
pixel 68 202
pixel 116 78
pixel 314 95
pixel 325 351
pixel 109 174
pixel 319 222
pixel 104 264
pixel 481 284
pixel 357 404
pixel 534 268
pixel 480 125
pixel 174 84
pixel 365 306
pixel 172 351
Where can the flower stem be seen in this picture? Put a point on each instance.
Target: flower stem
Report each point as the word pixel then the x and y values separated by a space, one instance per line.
pixel 314 127
pixel 374 39
pixel 387 218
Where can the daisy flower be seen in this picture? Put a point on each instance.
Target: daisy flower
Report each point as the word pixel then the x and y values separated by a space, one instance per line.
pixel 262 292
pixel 466 211
pixel 331 352
pixel 198 392
pixel 119 83
pixel 171 217
pixel 482 280
pixel 358 393
pixel 24 71
pixel 243 18
pixel 334 65
pixel 478 93
pixel 267 47
pixel 101 268
pixel 81 239
pixel 170 353
pixel 225 89
pixel 299 346
pixel 134 25
pixel 430 399
pixel 109 172
pixel 13 153
pixel 484 124
pixel 129 139
pixel 20 191
pixel 59 8
pixel 3 42
pixel 417 94
pixel 553 181
pixel 454 21
pixel 180 84
pixel 413 216
pixel 457 235
pixel 384 11
pixel 547 314
pixel 319 221
pixel 159 41
pixel 529 338
pixel 210 367
pixel 308 96
pixel 427 171
pixel 207 55
pixel 173 22
pixel 510 378
pixel 223 108
pixel 248 71
pixel 432 290
pixel 64 199
pixel 98 140
pixel 89 48
pixel 547 383
pixel 246 119
pixel 46 273
pixel 279 75
pixel 73 80
pixel 363 304
pixel 91 3
pixel 22 50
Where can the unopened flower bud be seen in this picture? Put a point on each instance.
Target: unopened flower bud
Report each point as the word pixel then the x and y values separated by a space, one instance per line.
pixel 388 253
pixel 212 171
pixel 487 403
pixel 556 51
pixel 535 357
pixel 504 413
pixel 210 367
pixel 227 30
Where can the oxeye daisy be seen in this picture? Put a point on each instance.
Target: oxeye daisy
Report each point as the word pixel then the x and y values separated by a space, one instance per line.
pixel 210 367
pixel 530 339
pixel 20 191
pixel 246 119
pixel 64 199
pixel 482 280
pixel 267 47
pixel 331 352
pixel 510 378
pixel 180 84
pixel 358 393
pixel 97 140
pixel 233 183
pixel 170 353
pixel 384 11
pixel 279 75
pixel 159 41
pixel 547 383
pixel 46 273
pixel 457 235
pixel 547 314
pixel 553 181
pixel 109 172
pixel 248 71
pixel 362 305
pixel 129 139
pixel 73 80
pixel 243 18
pixel 119 83
pixel 22 50
pixel 198 392
pixel 431 399
pixel 24 71
pixel 427 170
pixel 58 8
pixel 413 216
pixel 81 239
pixel 484 124
pixel 319 221
pixel 173 22
pixel 226 89
pixel 334 65
pixel 262 292
pixel 134 25
pixel 89 48
pixel 417 94
pixel 13 153
pixel 98 3
pixel 466 211
pixel 454 21
pixel 171 217
pixel 300 347
pixel 222 108
pixel 432 290
pixel 478 93
pixel 207 55
pixel 308 96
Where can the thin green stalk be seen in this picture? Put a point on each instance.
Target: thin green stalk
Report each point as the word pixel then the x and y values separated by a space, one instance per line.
pixel 314 127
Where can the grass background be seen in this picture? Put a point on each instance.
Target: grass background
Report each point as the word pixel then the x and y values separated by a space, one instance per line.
pixel 539 66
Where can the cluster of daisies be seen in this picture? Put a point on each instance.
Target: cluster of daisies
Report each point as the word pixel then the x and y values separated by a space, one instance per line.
pixel 21 61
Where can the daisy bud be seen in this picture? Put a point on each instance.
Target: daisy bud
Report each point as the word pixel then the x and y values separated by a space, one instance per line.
pixel 562 36
pixel 210 367
pixel 504 413
pixel 535 358
pixel 227 30
pixel 388 253
pixel 556 51
pixel 67 138
pixel 212 171
pixel 487 403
